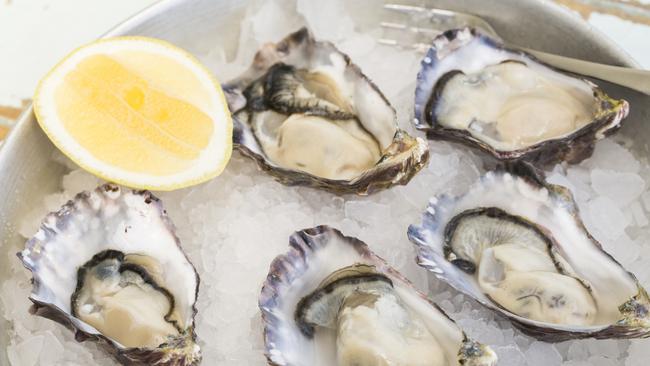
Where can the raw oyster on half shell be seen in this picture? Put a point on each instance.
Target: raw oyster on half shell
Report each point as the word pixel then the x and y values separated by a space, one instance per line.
pixel 109 266
pixel 308 116
pixel 517 245
pixel 331 301
pixel 474 90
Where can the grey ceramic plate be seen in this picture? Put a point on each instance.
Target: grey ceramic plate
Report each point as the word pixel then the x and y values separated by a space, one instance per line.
pixel 27 173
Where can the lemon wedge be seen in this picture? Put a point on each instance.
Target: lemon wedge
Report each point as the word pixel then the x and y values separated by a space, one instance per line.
pixel 137 111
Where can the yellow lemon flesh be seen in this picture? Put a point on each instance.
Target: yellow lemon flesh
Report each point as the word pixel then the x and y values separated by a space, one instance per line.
pixel 137 111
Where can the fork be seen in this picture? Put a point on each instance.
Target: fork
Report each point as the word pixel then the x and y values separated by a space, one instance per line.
pixel 436 21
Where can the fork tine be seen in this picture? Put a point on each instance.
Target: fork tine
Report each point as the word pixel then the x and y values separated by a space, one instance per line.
pixel 399 26
pixel 407 37
pixel 418 10
pixel 442 17
pixel 417 47
pixel 429 23
pixel 405 8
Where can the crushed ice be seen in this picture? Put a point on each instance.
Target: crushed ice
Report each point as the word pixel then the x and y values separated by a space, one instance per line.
pixel 233 226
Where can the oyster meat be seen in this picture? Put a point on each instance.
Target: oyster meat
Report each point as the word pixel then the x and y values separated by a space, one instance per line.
pixel 505 102
pixel 331 301
pixel 517 245
pixel 109 266
pixel 307 115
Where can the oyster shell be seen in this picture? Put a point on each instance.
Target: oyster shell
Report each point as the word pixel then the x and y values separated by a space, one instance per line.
pixel 517 245
pixel 109 266
pixel 331 301
pixel 308 116
pixel 474 90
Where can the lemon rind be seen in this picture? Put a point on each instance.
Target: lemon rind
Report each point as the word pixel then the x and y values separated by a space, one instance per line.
pixel 123 179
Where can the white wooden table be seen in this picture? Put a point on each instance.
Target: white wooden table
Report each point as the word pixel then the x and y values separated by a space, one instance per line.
pixel 35 34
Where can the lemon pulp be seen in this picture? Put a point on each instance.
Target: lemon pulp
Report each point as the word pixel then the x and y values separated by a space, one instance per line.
pixel 101 100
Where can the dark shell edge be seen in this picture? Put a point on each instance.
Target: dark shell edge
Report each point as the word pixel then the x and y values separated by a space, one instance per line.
pixel 573 148
pixel 400 163
pixel 631 326
pixel 183 352
pixel 286 268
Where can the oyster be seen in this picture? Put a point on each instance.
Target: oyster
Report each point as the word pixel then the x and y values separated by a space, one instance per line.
pixel 517 245
pixel 474 90
pixel 109 266
pixel 308 116
pixel 331 301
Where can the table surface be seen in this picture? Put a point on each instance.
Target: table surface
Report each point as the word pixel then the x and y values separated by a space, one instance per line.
pixel 35 34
